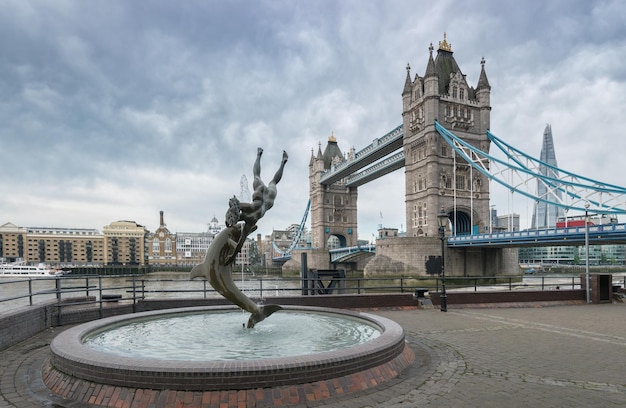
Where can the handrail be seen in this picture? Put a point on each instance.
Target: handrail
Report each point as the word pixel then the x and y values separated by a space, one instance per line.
pixel 132 288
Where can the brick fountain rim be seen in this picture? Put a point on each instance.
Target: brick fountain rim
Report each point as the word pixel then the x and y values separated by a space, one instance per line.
pixel 70 357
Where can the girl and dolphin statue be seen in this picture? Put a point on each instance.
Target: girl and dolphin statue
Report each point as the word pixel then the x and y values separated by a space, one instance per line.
pixel 241 219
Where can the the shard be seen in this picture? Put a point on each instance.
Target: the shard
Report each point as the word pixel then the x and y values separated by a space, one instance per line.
pixel 545 214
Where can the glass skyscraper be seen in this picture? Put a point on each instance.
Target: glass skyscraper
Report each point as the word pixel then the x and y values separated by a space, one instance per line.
pixel 544 214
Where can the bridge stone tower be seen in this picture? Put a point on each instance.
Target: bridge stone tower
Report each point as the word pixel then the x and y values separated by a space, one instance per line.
pixel 333 207
pixel 434 177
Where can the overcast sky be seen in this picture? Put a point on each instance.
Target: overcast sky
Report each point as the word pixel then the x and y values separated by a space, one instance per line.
pixel 114 110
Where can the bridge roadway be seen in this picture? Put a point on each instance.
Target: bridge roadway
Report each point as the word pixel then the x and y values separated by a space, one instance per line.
pixel 598 234
pixel 349 254
pixel 375 151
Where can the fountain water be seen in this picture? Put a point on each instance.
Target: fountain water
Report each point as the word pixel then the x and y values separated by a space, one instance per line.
pixel 219 336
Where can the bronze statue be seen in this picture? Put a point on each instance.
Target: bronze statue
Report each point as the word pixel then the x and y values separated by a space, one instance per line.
pixel 241 219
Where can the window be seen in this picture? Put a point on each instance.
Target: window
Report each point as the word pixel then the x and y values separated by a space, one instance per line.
pixel 420 216
pixel 462 93
pixel 155 245
pixel 454 92
pixel 460 182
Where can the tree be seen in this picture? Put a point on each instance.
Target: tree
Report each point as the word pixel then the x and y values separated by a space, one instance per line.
pixel 254 256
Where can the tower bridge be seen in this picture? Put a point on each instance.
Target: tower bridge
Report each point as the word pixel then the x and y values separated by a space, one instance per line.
pixel 443 145
pixel 351 169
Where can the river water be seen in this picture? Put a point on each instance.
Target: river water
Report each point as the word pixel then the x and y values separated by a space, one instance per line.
pixel 14 292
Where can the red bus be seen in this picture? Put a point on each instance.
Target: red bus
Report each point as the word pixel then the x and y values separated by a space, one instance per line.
pixel 579 221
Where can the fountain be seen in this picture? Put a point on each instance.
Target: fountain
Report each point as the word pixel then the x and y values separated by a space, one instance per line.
pixel 175 350
pixel 72 355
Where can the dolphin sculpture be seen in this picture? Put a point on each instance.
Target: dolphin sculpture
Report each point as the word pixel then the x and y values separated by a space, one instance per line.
pixel 218 271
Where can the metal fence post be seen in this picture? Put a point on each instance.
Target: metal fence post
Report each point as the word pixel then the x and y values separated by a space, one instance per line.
pixel 57 288
pixel 134 294
pixel 100 292
pixel 30 291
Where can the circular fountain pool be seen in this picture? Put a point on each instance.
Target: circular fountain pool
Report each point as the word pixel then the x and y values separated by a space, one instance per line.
pixel 201 336
pixel 183 364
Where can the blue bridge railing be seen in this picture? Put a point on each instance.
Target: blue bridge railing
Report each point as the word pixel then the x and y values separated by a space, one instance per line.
pixel 598 234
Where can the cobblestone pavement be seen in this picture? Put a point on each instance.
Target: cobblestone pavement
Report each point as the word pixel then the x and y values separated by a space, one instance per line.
pixel 560 356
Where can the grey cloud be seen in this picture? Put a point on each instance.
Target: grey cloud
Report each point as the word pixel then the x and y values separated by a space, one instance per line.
pixel 109 97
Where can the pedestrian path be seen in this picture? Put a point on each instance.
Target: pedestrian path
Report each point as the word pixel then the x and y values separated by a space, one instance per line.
pixel 560 356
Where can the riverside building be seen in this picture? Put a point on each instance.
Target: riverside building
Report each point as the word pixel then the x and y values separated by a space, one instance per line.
pixel 119 243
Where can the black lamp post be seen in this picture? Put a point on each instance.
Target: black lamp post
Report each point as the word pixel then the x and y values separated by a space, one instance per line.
pixel 587 252
pixel 442 217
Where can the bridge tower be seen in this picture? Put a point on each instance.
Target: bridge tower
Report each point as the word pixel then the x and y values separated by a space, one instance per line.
pixel 434 177
pixel 333 207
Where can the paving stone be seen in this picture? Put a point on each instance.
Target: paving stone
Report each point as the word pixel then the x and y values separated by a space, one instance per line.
pixel 514 357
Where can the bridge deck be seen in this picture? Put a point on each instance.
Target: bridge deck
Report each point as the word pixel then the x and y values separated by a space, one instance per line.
pixel 375 151
pixel 598 234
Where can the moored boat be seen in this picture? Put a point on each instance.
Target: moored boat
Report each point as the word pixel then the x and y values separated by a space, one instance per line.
pixel 22 269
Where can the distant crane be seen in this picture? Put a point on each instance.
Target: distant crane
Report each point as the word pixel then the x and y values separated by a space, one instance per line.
pixel 244 196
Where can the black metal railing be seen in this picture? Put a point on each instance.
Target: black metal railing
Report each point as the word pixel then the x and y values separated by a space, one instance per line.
pixel 73 290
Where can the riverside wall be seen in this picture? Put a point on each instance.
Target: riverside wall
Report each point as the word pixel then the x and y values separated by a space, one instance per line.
pixel 20 324
pixel 420 256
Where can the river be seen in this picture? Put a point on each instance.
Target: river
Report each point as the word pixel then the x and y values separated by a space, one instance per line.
pixel 155 285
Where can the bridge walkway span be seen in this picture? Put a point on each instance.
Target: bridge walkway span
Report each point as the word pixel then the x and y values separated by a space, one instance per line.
pixel 597 235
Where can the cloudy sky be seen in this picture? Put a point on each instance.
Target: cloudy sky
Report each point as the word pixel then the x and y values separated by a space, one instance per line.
pixel 114 110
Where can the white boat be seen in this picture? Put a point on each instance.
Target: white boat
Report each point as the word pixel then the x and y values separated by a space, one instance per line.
pixel 22 269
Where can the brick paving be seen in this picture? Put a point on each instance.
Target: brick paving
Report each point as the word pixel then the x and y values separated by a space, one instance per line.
pixel 572 355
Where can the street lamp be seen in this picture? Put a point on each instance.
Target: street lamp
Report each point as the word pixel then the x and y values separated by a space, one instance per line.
pixel 442 217
pixel 587 251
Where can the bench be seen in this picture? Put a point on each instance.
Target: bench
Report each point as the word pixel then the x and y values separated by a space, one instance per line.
pixel 111 298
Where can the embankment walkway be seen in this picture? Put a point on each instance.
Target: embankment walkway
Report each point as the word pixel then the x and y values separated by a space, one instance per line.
pixel 557 356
